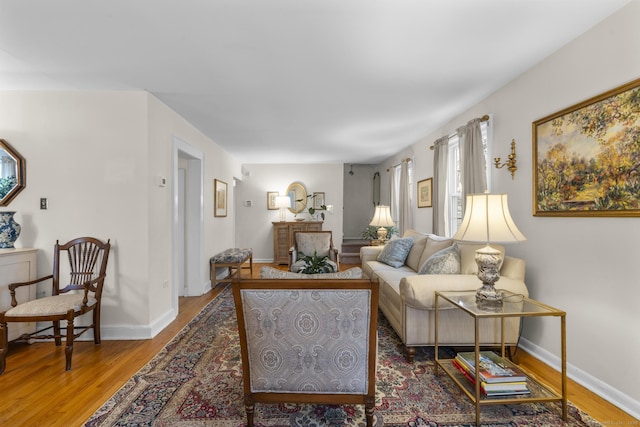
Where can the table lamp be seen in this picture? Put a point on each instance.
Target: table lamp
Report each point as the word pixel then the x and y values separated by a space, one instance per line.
pixel 487 220
pixel 382 219
pixel 283 202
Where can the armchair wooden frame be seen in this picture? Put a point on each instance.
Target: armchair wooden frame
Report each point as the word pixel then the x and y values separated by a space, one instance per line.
pixel 295 396
pixel 87 270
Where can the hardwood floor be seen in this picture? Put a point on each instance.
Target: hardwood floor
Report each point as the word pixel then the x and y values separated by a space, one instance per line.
pixel 36 391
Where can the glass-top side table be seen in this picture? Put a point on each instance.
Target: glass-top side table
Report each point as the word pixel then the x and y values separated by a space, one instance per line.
pixel 514 305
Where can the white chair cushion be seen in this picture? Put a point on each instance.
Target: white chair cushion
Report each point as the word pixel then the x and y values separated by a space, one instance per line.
pixel 53 305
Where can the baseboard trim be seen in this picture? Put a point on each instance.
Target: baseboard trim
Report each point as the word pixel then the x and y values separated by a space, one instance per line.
pixel 602 389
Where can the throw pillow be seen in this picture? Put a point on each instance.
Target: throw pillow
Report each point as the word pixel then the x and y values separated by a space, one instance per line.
pixel 395 251
pixel 413 259
pixel 445 261
pixel 434 244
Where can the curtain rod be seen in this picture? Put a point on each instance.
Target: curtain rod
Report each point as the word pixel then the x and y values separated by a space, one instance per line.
pixel 482 119
pixel 408 159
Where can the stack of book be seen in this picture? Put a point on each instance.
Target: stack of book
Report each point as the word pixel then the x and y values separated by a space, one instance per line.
pixel 497 377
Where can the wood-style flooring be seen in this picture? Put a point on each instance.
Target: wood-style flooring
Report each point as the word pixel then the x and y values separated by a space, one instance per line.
pixel 36 391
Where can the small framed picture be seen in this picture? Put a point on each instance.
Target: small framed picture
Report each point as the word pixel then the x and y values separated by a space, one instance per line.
pixel 271 200
pixel 425 190
pixel 318 200
pixel 219 198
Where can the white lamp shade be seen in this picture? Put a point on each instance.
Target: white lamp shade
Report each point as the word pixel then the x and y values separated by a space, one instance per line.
pixel 382 217
pixel 283 202
pixel 487 219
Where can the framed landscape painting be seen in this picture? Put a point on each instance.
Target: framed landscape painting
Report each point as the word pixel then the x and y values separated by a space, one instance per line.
pixel 425 189
pixel 586 158
pixel 219 198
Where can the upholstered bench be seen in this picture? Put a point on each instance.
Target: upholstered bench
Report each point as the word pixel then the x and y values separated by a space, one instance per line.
pixel 233 259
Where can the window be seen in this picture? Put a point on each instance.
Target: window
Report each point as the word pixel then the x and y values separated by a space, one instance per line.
pixel 454 182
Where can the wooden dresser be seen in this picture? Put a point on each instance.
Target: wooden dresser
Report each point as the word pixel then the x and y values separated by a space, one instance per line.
pixel 17 265
pixel 283 237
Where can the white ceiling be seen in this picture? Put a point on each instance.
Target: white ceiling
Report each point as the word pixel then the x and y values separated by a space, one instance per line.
pixel 302 81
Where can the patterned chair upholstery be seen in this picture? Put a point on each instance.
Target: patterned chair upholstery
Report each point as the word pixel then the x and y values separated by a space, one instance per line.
pixel 309 243
pixel 308 341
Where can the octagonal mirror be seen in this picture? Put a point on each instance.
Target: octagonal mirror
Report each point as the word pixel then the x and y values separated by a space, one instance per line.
pixel 12 173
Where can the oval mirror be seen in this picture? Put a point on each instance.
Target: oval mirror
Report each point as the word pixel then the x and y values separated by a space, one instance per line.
pixel 298 195
pixel 12 173
pixel 376 189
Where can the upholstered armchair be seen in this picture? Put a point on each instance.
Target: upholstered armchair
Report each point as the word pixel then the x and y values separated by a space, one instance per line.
pixel 310 243
pixel 307 341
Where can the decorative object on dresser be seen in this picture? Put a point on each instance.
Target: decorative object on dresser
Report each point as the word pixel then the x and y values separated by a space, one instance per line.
pixel 486 220
pixel 283 203
pixel 381 219
pixel 86 272
pixel 9 230
pixel 283 237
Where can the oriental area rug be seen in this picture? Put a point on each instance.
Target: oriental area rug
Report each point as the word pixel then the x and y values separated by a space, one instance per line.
pixel 196 381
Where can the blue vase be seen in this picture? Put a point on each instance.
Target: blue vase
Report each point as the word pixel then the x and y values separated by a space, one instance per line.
pixel 9 230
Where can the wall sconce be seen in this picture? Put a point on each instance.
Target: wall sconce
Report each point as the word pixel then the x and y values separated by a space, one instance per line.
pixel 511 162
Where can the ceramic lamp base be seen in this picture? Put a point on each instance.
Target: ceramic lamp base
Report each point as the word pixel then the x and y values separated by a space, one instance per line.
pixel 488 260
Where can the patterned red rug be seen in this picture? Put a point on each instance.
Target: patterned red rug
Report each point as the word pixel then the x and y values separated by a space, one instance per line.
pixel 196 381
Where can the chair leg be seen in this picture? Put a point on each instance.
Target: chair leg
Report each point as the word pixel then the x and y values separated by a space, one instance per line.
pixel 68 350
pixel 370 403
pixel 56 333
pixel 249 406
pixel 4 345
pixel 96 325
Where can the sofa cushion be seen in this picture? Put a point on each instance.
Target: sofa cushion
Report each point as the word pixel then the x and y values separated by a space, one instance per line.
pixel 395 251
pixel 413 258
pixel 433 245
pixel 445 261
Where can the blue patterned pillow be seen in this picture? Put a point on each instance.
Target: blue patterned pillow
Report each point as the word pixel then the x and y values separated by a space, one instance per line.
pixel 445 261
pixel 395 251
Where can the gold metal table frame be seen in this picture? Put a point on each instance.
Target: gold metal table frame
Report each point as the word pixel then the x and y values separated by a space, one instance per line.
pixel 514 305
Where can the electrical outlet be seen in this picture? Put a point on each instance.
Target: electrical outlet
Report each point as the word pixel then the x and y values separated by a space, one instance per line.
pixel 43 203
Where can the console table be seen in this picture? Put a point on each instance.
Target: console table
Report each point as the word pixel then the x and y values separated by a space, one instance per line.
pixel 283 237
pixel 17 265
pixel 514 305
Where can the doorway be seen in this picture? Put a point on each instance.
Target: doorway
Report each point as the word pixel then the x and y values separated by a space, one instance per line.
pixel 187 222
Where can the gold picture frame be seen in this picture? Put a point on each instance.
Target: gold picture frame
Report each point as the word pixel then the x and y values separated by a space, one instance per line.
pixel 318 200
pixel 586 157
pixel 271 200
pixel 425 193
pixel 220 198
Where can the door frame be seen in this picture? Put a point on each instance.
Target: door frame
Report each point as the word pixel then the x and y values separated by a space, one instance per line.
pixel 194 221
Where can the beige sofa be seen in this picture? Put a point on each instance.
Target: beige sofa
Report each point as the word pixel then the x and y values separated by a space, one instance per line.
pixel 407 298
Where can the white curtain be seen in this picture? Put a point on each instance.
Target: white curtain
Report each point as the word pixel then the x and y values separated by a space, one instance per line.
pixel 439 197
pixel 473 167
pixel 404 200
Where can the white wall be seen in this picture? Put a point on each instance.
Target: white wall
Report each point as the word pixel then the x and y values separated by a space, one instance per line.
pixel 254 224
pixel 358 199
pixel 96 157
pixel 586 266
